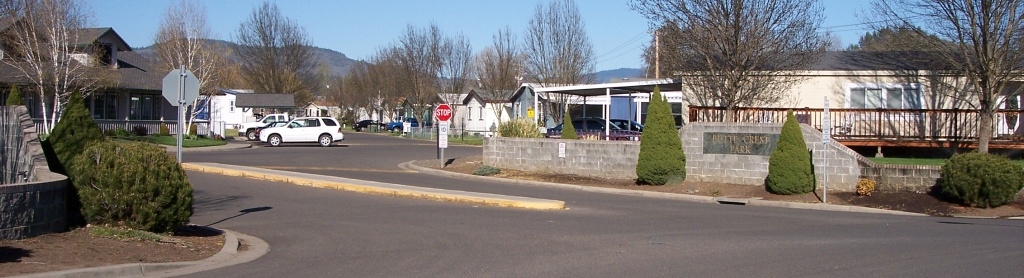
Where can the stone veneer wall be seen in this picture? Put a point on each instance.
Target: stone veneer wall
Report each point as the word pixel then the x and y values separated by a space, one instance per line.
pixel 38 205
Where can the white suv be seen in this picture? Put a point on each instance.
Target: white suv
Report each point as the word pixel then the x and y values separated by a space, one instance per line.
pixel 322 130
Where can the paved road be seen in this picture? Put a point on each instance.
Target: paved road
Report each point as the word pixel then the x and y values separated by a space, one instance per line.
pixel 321 232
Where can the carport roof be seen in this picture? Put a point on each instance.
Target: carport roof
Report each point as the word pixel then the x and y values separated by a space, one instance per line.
pixel 265 100
pixel 617 88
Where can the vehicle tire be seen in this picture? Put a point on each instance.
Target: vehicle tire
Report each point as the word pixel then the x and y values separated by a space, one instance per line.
pixel 325 140
pixel 251 135
pixel 274 140
pixel 397 129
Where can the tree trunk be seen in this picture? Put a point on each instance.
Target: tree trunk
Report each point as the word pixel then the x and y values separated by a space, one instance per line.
pixel 986 120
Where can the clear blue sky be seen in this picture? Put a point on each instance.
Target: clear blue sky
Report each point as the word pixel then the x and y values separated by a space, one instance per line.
pixel 359 28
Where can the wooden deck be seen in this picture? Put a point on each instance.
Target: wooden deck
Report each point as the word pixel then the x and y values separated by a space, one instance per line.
pixel 932 128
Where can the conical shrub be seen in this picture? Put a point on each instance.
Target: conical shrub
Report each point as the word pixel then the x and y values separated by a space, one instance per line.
pixel 661 159
pixel 568 131
pixel 75 131
pixel 789 168
pixel 15 97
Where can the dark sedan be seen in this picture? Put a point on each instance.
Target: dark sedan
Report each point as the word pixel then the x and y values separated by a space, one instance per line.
pixel 365 124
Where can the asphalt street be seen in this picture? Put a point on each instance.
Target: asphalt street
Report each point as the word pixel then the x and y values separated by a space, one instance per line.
pixel 316 232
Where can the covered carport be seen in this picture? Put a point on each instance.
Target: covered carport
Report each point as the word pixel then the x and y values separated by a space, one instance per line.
pixel 276 102
pixel 610 89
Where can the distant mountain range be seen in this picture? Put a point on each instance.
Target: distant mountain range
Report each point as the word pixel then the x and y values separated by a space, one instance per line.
pixel 336 62
pixel 339 64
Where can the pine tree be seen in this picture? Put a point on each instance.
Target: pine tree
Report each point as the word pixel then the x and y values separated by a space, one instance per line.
pixel 568 131
pixel 15 98
pixel 661 159
pixel 789 168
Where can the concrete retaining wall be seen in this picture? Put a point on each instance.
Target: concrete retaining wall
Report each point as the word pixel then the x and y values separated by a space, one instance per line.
pixel 38 205
pixel 601 159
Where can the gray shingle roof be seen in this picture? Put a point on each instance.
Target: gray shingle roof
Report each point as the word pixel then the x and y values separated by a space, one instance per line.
pixel 879 60
pixel 265 100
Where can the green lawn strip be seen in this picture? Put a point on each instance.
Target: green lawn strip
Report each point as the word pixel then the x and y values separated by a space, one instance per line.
pixel 173 141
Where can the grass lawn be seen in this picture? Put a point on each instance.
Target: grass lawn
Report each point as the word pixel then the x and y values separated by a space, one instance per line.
pixel 173 141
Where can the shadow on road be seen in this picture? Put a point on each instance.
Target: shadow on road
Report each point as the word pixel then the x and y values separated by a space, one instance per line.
pixel 241 212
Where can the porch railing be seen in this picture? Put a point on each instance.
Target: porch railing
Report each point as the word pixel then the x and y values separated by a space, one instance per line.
pixel 152 127
pixel 880 124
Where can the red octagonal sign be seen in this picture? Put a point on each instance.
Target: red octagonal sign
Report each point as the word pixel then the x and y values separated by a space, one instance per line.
pixel 443 112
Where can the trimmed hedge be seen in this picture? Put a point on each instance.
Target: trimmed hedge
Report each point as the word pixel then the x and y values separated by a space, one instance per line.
pixel 980 180
pixel 789 168
pixel 568 131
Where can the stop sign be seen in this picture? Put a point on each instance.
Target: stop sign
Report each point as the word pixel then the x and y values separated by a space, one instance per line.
pixel 443 112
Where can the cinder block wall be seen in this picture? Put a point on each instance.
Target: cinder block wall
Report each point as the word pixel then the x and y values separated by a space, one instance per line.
pixel 600 159
pixel 36 206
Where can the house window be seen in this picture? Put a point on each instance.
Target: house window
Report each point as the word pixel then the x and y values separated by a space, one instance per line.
pixel 145 107
pixel 102 105
pixel 231 108
pixel 886 96
pixel 481 113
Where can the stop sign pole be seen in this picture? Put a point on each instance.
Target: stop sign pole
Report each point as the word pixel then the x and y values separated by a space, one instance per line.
pixel 443 113
pixel 180 87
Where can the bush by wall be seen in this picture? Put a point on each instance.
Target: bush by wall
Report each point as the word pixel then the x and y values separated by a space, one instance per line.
pixel 865 187
pixel 485 170
pixel 519 128
pixel 980 180
pixel 134 184
pixel 661 159
pixel 164 130
pixel 140 130
pixel 789 167
pixel 568 131
pixel 15 98
pixel 193 130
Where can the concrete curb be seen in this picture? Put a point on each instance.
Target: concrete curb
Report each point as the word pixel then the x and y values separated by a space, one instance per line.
pixel 227 256
pixel 379 188
pixel 225 147
pixel 672 196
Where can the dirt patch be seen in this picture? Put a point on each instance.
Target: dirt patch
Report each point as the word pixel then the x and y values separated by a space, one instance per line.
pixel 902 201
pixel 82 248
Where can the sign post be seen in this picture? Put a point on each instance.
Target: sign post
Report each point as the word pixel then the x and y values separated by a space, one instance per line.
pixel 180 87
pixel 443 113
pixel 826 136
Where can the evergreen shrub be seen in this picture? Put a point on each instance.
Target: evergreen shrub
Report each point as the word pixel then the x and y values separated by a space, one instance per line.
pixel 121 132
pixel 75 131
pixel 192 130
pixel 661 159
pixel 164 130
pixel 980 180
pixel 519 128
pixel 486 170
pixel 133 184
pixel 789 168
pixel 140 130
pixel 568 131
pixel 15 97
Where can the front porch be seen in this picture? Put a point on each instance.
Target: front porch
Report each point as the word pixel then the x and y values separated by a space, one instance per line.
pixel 926 128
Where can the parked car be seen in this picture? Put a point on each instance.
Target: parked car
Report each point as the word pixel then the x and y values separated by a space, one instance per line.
pixel 623 123
pixel 273 124
pixel 364 124
pixel 596 127
pixel 396 126
pixel 322 130
pixel 249 129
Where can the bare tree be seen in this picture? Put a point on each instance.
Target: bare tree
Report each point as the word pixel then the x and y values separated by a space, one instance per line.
pixel 183 40
pixel 48 54
pixel 456 56
pixel 499 68
pixel 986 38
pixel 275 55
pixel 739 53
pixel 558 51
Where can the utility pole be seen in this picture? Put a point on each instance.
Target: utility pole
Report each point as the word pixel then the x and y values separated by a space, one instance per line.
pixel 657 58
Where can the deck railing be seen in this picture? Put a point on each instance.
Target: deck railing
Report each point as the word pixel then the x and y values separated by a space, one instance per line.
pixel 880 124
pixel 152 127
